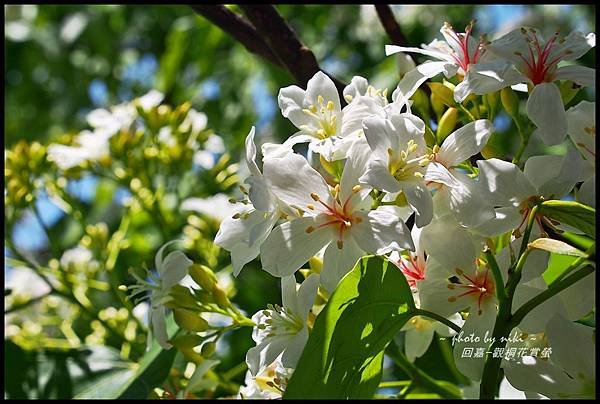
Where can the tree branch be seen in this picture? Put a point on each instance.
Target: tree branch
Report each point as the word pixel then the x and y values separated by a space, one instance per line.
pixel 393 30
pixel 239 28
pixel 298 59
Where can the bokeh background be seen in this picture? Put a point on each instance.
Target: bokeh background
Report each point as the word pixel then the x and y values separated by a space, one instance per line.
pixel 61 62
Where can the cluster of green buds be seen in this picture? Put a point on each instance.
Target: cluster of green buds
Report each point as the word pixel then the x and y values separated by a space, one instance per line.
pixel 189 304
pixel 24 165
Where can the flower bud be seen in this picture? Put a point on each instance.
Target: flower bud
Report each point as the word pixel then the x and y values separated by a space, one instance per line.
pixel 430 139
pixel 493 101
pixel 182 297
pixel 510 102
pixel 437 104
pixel 208 349
pixel 401 200
pixel 189 320
pixel 203 276
pixel 446 124
pixel 445 94
pixel 220 297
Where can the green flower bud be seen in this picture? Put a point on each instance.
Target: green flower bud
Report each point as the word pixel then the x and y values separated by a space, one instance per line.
pixel 189 320
pixel 493 101
pixel 182 298
pixel 220 297
pixel 437 104
pixel 401 200
pixel 208 349
pixel 445 94
pixel 203 276
pixel 430 139
pixel 510 102
pixel 446 124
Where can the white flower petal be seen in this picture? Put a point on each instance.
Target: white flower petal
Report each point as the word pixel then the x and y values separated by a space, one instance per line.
pixel 381 232
pixel 307 294
pixel 291 103
pixel 546 110
pixel 293 181
pixel 449 243
pixel 587 192
pixel 487 77
pixel 414 78
pixel 420 200
pixel 465 142
pixel 321 85
pixel 379 177
pixel 554 176
pixel 338 262
pixel 294 348
pixel 479 323
pixel 174 268
pixel 289 246
pixel 582 75
pixel 417 341
pixel 159 327
pixel 504 183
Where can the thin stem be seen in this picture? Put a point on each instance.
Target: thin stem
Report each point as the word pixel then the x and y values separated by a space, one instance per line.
pixel 28 303
pixel 500 290
pixel 467 113
pixel 417 375
pixel 236 370
pixel 396 383
pixel 552 290
pixel 527 234
pixel 441 319
pixel 524 142
pixel 51 242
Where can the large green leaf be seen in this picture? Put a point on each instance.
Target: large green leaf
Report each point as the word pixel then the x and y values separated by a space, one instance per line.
pixel 344 353
pixel 574 214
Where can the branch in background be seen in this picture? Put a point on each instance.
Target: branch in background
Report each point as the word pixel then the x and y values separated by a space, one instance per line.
pixel 393 30
pixel 298 59
pixel 239 28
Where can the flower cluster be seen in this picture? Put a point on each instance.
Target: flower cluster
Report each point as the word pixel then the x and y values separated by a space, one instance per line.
pixel 374 169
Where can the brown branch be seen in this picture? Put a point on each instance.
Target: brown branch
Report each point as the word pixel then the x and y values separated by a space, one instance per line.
pixel 239 28
pixel 393 30
pixel 298 59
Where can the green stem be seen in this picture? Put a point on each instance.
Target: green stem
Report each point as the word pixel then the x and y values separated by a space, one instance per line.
pixel 396 383
pixel 524 142
pixel 53 246
pixel 467 113
pixel 500 290
pixel 441 319
pixel 234 371
pixel 417 375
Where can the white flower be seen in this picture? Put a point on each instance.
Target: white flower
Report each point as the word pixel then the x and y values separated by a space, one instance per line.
pixel 398 160
pixel 171 270
pixel 512 191
pixel 150 100
pixel 317 112
pixel 195 122
pixel 217 206
pixel 112 121
pixel 243 233
pixel 283 329
pixel 420 331
pixel 472 287
pixel 569 371
pixel 91 146
pixel 537 62
pixel 454 188
pixel 459 53
pixel 336 218
pixel 581 120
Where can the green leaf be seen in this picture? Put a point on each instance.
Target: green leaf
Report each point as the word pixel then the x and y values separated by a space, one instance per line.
pixel 557 247
pixel 344 353
pixel 152 370
pixel 571 213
